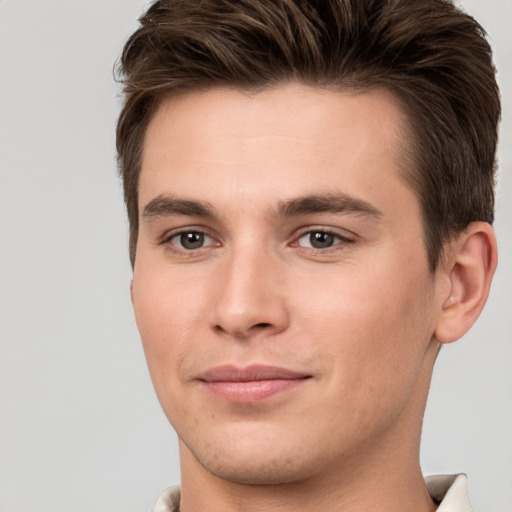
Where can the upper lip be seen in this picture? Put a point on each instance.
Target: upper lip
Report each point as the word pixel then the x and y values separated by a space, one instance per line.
pixel 229 373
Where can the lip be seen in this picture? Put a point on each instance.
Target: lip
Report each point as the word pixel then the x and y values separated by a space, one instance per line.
pixel 250 384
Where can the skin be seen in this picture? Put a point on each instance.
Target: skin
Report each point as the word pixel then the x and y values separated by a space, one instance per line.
pixel 360 315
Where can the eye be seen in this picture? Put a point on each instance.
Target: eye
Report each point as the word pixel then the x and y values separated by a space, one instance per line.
pixel 319 239
pixel 190 240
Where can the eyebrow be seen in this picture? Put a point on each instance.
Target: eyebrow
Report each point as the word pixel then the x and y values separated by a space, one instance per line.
pixel 327 203
pixel 165 205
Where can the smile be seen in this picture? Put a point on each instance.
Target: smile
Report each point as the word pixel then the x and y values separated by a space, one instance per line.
pixel 251 384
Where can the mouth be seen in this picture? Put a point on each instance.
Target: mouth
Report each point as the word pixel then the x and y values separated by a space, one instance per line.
pixel 250 384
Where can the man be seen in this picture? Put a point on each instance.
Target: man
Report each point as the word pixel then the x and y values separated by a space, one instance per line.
pixel 310 193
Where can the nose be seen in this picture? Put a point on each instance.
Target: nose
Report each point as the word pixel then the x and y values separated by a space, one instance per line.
pixel 249 297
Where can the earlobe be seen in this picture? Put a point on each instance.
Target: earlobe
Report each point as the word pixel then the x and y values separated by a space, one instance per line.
pixel 470 263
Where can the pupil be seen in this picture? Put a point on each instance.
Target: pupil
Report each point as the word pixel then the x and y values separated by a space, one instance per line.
pixel 192 240
pixel 320 240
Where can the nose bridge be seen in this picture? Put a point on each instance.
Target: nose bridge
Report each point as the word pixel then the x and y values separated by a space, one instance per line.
pixel 248 297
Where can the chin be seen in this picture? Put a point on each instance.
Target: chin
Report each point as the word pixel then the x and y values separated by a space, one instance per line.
pixel 256 461
pixel 262 471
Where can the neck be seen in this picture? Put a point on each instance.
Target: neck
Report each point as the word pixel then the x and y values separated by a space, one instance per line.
pixel 354 490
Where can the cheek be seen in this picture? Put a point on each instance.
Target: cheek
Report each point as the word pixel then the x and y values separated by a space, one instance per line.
pixel 167 311
pixel 372 328
pixel 165 303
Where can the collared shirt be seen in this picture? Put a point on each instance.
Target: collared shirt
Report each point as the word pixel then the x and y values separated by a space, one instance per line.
pixel 450 491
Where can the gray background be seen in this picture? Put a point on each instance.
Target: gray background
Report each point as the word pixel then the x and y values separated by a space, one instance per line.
pixel 80 427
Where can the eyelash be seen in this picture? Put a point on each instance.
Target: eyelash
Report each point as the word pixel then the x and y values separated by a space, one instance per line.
pixel 168 237
pixel 342 240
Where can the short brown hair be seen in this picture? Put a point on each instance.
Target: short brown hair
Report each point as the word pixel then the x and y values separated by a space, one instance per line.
pixel 433 57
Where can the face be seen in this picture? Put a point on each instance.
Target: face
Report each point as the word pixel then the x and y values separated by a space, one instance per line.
pixel 281 285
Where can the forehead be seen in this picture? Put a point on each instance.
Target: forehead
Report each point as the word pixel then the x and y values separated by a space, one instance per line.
pixel 290 140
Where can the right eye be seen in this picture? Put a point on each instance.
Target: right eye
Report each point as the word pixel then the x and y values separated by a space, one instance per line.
pixel 191 240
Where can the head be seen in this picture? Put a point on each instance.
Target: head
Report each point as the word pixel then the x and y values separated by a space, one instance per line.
pixel 298 176
pixel 433 58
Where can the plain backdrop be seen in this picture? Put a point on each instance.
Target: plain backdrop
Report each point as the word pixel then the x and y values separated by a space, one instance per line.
pixel 80 428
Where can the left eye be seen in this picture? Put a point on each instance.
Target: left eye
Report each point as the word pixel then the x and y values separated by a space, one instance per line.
pixel 319 240
pixel 190 240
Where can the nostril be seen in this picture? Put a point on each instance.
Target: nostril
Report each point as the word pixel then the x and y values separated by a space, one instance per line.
pixel 261 325
pixel 243 333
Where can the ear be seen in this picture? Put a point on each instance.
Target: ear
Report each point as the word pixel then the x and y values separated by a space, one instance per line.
pixel 131 290
pixel 468 265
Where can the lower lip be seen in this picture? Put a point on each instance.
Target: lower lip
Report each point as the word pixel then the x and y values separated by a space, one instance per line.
pixel 252 391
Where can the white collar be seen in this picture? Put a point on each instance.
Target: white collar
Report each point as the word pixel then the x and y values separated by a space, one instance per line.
pixel 451 491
